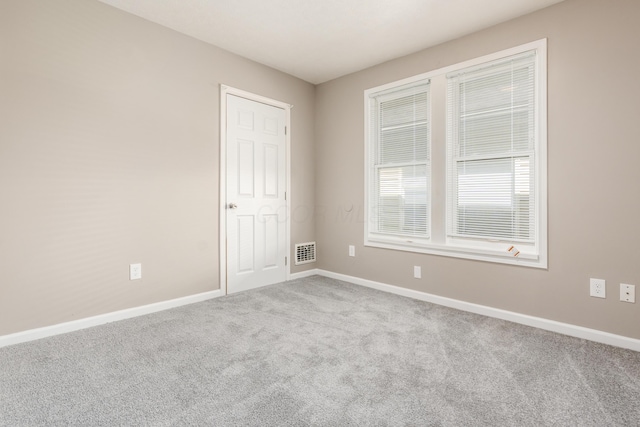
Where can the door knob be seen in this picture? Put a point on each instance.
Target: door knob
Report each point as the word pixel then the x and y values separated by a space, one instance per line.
pixel 233 206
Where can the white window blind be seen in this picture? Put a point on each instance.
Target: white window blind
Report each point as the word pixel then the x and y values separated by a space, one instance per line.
pixel 491 145
pixel 399 161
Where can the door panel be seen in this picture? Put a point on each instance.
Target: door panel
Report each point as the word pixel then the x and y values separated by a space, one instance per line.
pixel 256 205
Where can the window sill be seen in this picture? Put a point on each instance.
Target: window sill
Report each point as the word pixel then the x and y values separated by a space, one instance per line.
pixel 524 259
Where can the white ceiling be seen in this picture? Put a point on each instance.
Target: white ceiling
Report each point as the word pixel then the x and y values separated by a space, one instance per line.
pixel 319 40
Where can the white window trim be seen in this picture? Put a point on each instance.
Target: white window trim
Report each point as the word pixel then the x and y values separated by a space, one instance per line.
pixel 439 244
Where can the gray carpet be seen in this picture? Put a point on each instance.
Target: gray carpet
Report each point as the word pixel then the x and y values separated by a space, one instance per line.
pixel 317 351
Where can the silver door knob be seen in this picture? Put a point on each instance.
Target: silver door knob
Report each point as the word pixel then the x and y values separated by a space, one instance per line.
pixel 233 206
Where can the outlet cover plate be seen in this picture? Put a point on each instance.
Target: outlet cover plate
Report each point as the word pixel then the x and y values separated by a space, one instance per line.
pixel 135 271
pixel 597 288
pixel 352 250
pixel 627 292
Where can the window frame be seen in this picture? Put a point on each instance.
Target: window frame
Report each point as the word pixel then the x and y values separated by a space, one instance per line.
pixel 439 241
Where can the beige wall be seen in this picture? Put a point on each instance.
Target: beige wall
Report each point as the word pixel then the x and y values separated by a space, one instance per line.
pixel 593 178
pixel 109 130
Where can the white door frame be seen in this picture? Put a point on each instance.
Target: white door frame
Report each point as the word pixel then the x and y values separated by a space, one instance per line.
pixel 228 90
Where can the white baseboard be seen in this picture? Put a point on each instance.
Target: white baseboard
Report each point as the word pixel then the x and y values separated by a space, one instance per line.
pixel 88 322
pixel 536 322
pixel 302 274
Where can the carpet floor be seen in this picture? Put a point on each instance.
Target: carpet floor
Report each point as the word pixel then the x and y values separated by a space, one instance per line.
pixel 317 352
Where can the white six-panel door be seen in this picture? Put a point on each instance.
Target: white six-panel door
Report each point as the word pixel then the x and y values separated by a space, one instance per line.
pixel 255 194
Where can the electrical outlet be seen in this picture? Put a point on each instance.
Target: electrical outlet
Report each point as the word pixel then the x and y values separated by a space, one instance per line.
pixel 352 250
pixel 597 288
pixel 135 271
pixel 627 292
pixel 417 271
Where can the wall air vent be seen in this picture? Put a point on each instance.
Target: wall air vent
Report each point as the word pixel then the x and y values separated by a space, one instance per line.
pixel 305 252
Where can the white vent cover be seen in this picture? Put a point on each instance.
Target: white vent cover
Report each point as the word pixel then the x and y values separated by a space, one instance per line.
pixel 305 252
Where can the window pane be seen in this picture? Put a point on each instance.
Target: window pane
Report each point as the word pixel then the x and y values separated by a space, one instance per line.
pixel 486 90
pixel 402 200
pixel 404 144
pixel 404 110
pixel 495 133
pixel 495 198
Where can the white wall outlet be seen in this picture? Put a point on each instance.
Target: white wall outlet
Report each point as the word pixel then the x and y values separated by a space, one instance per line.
pixel 417 271
pixel 597 288
pixel 135 271
pixel 352 250
pixel 627 292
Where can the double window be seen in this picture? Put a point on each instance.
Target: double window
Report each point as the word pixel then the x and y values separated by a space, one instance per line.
pixel 477 189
